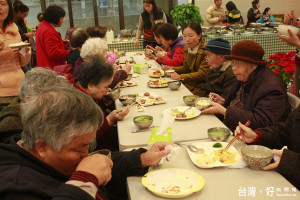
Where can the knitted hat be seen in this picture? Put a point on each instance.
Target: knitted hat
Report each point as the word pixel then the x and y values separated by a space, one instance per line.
pixel 248 51
pixel 218 46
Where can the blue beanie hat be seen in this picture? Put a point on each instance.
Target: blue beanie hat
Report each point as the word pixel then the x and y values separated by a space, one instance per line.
pixel 218 46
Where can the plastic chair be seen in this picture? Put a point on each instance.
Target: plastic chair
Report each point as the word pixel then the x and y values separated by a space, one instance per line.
pixel 294 100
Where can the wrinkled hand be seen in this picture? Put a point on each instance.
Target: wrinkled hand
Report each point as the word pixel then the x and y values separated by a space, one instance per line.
pixel 292 40
pixel 165 67
pixel 215 108
pixel 217 98
pixel 288 17
pixel 98 165
pixel 117 115
pixel 1 45
pixel 150 47
pixel 276 163
pixel 136 42
pixel 161 54
pixel 245 133
pixel 175 76
pixel 153 156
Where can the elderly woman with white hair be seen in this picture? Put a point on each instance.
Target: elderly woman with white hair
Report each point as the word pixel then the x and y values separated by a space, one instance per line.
pixel 98 46
pixel 52 161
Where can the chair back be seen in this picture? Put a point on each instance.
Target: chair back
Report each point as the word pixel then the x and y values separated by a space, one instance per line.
pixel 294 100
pixel 65 70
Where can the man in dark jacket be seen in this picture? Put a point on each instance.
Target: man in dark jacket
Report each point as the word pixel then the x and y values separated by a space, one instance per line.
pixel 283 134
pixel 52 162
pixel 220 78
pixel 257 95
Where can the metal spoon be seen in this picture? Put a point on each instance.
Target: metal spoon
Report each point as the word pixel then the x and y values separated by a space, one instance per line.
pixel 190 146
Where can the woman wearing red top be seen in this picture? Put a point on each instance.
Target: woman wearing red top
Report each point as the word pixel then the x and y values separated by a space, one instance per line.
pixel 50 49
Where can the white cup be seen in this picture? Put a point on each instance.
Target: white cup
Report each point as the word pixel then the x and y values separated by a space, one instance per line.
pixel 283 29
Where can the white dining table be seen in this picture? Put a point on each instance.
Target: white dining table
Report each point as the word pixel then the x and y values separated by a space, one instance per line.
pixel 222 183
pixel 182 130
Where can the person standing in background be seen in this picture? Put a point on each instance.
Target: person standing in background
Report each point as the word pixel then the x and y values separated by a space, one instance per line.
pixel 50 48
pixel 11 60
pixel 215 14
pixel 253 13
pixel 147 19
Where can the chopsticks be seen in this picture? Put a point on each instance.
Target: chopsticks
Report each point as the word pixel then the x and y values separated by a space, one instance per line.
pixel 236 136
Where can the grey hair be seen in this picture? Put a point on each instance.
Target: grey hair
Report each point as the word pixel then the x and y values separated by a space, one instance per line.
pixel 38 79
pixel 93 46
pixel 58 115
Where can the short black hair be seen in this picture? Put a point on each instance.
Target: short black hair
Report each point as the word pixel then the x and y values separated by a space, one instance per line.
pixel 167 31
pixel 94 70
pixel 40 16
pixel 266 10
pixel 53 14
pixel 254 4
pixel 78 37
pixel 96 31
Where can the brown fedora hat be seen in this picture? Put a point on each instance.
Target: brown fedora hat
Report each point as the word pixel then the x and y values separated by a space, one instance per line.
pixel 248 51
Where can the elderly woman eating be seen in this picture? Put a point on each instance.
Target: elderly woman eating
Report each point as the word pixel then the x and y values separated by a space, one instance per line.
pixel 94 79
pixel 52 161
pixel 257 95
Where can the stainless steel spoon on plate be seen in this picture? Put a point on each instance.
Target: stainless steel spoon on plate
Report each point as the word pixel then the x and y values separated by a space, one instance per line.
pixel 190 146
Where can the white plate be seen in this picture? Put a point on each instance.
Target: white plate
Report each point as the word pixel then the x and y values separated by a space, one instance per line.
pixel 18 45
pixel 163 182
pixel 191 113
pixel 149 101
pixel 206 160
pixel 161 83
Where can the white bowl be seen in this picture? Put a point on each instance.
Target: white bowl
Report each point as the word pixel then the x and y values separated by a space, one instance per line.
pixel 283 29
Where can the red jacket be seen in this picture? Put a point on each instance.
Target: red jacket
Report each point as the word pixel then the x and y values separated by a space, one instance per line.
pixel 50 49
pixel 176 56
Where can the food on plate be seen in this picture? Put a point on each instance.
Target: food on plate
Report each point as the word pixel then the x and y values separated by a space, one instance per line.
pixel 158 83
pixel 140 108
pixel 138 54
pixel 205 160
pixel 157 73
pixel 151 97
pixel 146 94
pixel 143 101
pixel 225 156
pixel 217 145
pixel 203 102
pixel 159 99
pixel 178 114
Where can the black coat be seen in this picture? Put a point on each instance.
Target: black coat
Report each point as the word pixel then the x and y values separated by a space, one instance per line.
pixel 265 101
pixel 286 134
pixel 25 177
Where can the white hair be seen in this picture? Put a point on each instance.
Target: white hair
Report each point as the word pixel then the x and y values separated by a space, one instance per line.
pixel 93 46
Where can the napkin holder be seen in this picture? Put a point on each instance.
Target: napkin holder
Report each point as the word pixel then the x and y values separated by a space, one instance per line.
pixel 140 68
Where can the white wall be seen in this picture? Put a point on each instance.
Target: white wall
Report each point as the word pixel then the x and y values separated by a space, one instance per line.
pixel 277 6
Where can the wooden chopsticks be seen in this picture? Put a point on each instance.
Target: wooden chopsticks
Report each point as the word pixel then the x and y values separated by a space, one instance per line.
pixel 236 136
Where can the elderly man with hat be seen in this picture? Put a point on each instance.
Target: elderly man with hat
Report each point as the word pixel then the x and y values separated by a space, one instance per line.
pixel 220 78
pixel 257 95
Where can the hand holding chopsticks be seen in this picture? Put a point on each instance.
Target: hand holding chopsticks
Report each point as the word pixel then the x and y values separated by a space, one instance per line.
pixel 236 136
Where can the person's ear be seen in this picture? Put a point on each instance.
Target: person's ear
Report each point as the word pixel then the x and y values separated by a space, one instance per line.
pixel 90 87
pixel 41 149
